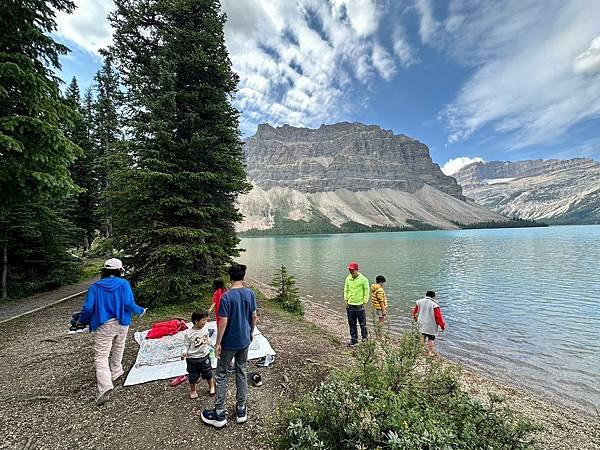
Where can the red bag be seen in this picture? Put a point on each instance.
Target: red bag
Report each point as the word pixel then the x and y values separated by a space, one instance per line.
pixel 168 328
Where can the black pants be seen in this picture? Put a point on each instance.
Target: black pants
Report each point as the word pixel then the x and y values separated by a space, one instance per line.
pixel 357 313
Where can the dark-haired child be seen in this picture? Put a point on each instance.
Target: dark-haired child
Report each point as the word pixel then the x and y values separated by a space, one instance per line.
pixel 428 315
pixel 379 299
pixel 196 352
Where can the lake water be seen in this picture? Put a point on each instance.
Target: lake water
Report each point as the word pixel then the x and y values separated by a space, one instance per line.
pixel 522 304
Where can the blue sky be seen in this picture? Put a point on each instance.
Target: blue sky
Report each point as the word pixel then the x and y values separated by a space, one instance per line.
pixel 510 80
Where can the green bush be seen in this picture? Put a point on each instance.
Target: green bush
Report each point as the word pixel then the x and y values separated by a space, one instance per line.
pixel 389 399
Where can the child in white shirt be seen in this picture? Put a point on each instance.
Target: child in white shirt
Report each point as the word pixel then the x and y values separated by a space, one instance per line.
pixel 196 352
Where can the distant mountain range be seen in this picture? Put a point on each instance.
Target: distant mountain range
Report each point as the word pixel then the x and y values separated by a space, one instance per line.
pixel 348 177
pixel 552 191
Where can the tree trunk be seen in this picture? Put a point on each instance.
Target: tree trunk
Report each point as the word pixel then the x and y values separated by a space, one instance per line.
pixel 86 242
pixel 4 270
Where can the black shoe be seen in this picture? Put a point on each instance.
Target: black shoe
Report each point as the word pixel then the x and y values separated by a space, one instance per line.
pixel 352 344
pixel 210 417
pixel 240 415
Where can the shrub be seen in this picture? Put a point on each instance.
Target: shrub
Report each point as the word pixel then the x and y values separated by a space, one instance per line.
pixel 288 296
pixel 388 399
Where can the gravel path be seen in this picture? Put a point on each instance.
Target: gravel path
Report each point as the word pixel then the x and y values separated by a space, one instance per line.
pixel 16 308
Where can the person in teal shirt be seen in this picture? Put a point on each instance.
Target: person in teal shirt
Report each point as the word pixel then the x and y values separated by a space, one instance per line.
pixel 356 296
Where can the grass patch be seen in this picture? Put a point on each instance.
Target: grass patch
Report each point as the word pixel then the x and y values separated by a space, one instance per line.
pixel 91 268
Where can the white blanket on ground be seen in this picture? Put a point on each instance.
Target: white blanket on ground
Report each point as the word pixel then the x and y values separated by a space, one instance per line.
pixel 159 359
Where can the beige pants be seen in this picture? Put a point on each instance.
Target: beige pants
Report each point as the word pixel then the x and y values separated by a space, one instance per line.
pixel 109 348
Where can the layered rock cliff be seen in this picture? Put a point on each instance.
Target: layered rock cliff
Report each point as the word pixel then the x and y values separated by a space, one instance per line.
pixel 556 191
pixel 346 155
pixel 349 173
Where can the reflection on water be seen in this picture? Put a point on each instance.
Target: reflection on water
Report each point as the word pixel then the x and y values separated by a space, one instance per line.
pixel 521 304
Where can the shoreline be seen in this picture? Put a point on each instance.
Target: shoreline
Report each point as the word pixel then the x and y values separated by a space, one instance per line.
pixel 563 426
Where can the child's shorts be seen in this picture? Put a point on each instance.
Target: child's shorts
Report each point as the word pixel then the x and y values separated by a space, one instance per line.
pixel 431 337
pixel 199 367
pixel 380 313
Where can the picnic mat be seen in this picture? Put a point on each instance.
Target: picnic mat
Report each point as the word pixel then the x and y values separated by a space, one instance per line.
pixel 159 359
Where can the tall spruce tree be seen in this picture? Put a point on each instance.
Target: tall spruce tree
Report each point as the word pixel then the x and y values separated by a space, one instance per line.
pixel 175 207
pixel 35 155
pixel 83 170
pixel 107 135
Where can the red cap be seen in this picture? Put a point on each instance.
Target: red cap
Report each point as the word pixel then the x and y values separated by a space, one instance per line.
pixel 353 266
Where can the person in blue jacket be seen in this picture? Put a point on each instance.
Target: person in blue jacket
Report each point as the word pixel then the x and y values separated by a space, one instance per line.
pixel 108 308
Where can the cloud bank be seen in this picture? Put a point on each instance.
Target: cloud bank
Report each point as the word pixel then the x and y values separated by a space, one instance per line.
pixel 532 68
pixel 454 165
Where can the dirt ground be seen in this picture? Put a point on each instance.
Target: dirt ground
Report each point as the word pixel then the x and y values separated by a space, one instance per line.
pixel 47 389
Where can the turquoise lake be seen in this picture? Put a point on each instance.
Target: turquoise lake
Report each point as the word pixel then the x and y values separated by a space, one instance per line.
pixel 522 305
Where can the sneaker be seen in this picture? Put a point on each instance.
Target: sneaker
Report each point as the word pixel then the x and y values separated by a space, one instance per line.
pixel 210 417
pixel 103 398
pixel 240 415
pixel 77 329
pixel 352 344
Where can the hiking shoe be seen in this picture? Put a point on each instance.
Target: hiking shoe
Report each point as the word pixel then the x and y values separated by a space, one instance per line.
pixel 352 344
pixel 210 417
pixel 240 415
pixel 103 398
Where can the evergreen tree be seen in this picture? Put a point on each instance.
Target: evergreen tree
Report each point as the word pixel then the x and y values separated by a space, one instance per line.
pixel 107 135
pixel 175 207
pixel 83 170
pixel 288 295
pixel 35 155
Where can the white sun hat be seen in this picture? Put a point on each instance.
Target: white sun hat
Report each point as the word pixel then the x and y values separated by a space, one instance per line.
pixel 113 263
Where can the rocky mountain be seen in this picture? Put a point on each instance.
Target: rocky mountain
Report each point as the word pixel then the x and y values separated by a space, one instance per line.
pixel 554 191
pixel 349 173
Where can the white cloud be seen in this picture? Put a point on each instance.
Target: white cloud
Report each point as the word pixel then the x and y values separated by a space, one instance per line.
pixel 402 48
pixel 87 26
pixel 383 62
pixel 363 15
pixel 301 62
pixel 589 61
pixel 454 165
pixel 428 25
pixel 533 68
pixel 318 55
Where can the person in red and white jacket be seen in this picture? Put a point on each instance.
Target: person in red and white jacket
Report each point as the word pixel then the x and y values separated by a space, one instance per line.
pixel 428 315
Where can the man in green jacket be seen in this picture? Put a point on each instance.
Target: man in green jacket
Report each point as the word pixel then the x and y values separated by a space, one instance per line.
pixel 356 295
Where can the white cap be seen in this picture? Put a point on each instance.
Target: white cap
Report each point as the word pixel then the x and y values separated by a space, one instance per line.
pixel 113 263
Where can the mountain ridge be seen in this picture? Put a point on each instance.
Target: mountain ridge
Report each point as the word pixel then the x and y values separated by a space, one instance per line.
pixel 349 173
pixel 555 191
